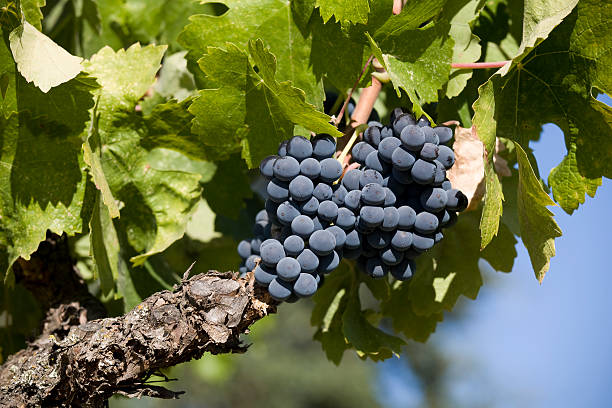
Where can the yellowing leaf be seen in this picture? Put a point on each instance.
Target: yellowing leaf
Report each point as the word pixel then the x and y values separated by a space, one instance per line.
pixel 40 60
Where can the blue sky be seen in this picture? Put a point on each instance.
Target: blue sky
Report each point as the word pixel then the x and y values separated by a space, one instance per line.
pixel 522 344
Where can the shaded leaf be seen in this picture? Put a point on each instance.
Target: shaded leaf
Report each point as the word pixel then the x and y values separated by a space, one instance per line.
pixel 351 11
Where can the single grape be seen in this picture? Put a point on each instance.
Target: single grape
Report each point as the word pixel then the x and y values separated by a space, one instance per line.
pixel 286 212
pixel 407 217
pixel 329 262
pixel 353 240
pixel 372 216
pixel 443 218
pixel 262 215
pixel 426 223
pixel 446 156
pixel 305 285
pixel 264 275
pixel 266 167
pixel 301 188
pixel 286 168
pixel 282 148
pixel 279 290
pixel 255 245
pixel 309 262
pixel 372 135
pixel 401 240
pixel 456 200
pixel 390 198
pixel 345 219
pixel 429 152
pixel 402 158
pixel 430 135
pixel 401 122
pixel 445 134
pixel 422 243
pixel 402 177
pixel 350 180
pixel 446 185
pixel 438 237
pixel 391 219
pixel 404 271
pixel 439 174
pixel 391 256
pixel 302 226
pixel 288 269
pixel 386 132
pixel 378 239
pixel 323 146
pixel 319 224
pixel 331 169
pixel 423 121
pixel 328 211
pixel 374 123
pixel 278 190
pixel 423 172
pixel 310 168
pixel 322 192
pixel 387 147
pixel 376 269
pixel 309 207
pixel 373 161
pixel 362 227
pixel 251 262
pixel 352 200
pixel 413 138
pixel 433 199
pixel 338 234
pixel 299 147
pixel 373 194
pixel 370 176
pixel 395 113
pixel 271 253
pixel 339 194
pixel 244 249
pixel 360 151
pixel 293 245
pixel 259 228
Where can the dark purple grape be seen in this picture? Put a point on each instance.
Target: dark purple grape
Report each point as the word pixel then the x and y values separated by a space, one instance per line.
pixel 391 256
pixel 391 220
pixel 434 199
pixel 372 216
pixel 323 146
pixel 404 271
pixel 407 217
pixel 310 168
pixel 426 223
pixel 372 135
pixel 328 211
pixel 413 138
pixel 373 161
pixel 309 262
pixel 429 152
pixel 322 192
pixel 278 190
pixel 299 147
pixel 279 290
pixel 446 156
pixel 305 286
pixel 456 200
pixel 430 135
pixel 445 134
pixel 293 245
pixel 264 275
pixel 288 269
pixel 373 194
pixel 302 225
pixel 360 151
pixel 401 240
pixel 266 167
pixel 370 176
pixel 286 168
pixel 386 148
pixel 301 188
pixel 423 172
pixel 331 170
pixel 350 180
pixel 402 159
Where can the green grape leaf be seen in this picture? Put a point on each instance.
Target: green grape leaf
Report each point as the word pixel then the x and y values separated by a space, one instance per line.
pixel 273 22
pixel 349 11
pixel 538 228
pixel 540 17
pixel 367 340
pixel 104 248
pixel 31 11
pixel 399 308
pixel 40 60
pixel 556 79
pixel 229 188
pixel 420 66
pixel 43 182
pixel 156 203
pixel 493 206
pixel 451 269
pixel 466 49
pixel 250 109
pixel 412 16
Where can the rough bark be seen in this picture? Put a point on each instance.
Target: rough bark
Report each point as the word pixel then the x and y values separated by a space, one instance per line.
pixel 82 362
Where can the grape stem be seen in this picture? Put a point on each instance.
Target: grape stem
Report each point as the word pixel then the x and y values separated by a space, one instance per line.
pixel 480 65
pixel 350 93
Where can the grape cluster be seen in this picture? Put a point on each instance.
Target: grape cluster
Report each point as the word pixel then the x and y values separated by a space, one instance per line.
pixel 388 209
pixel 400 196
pixel 295 244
